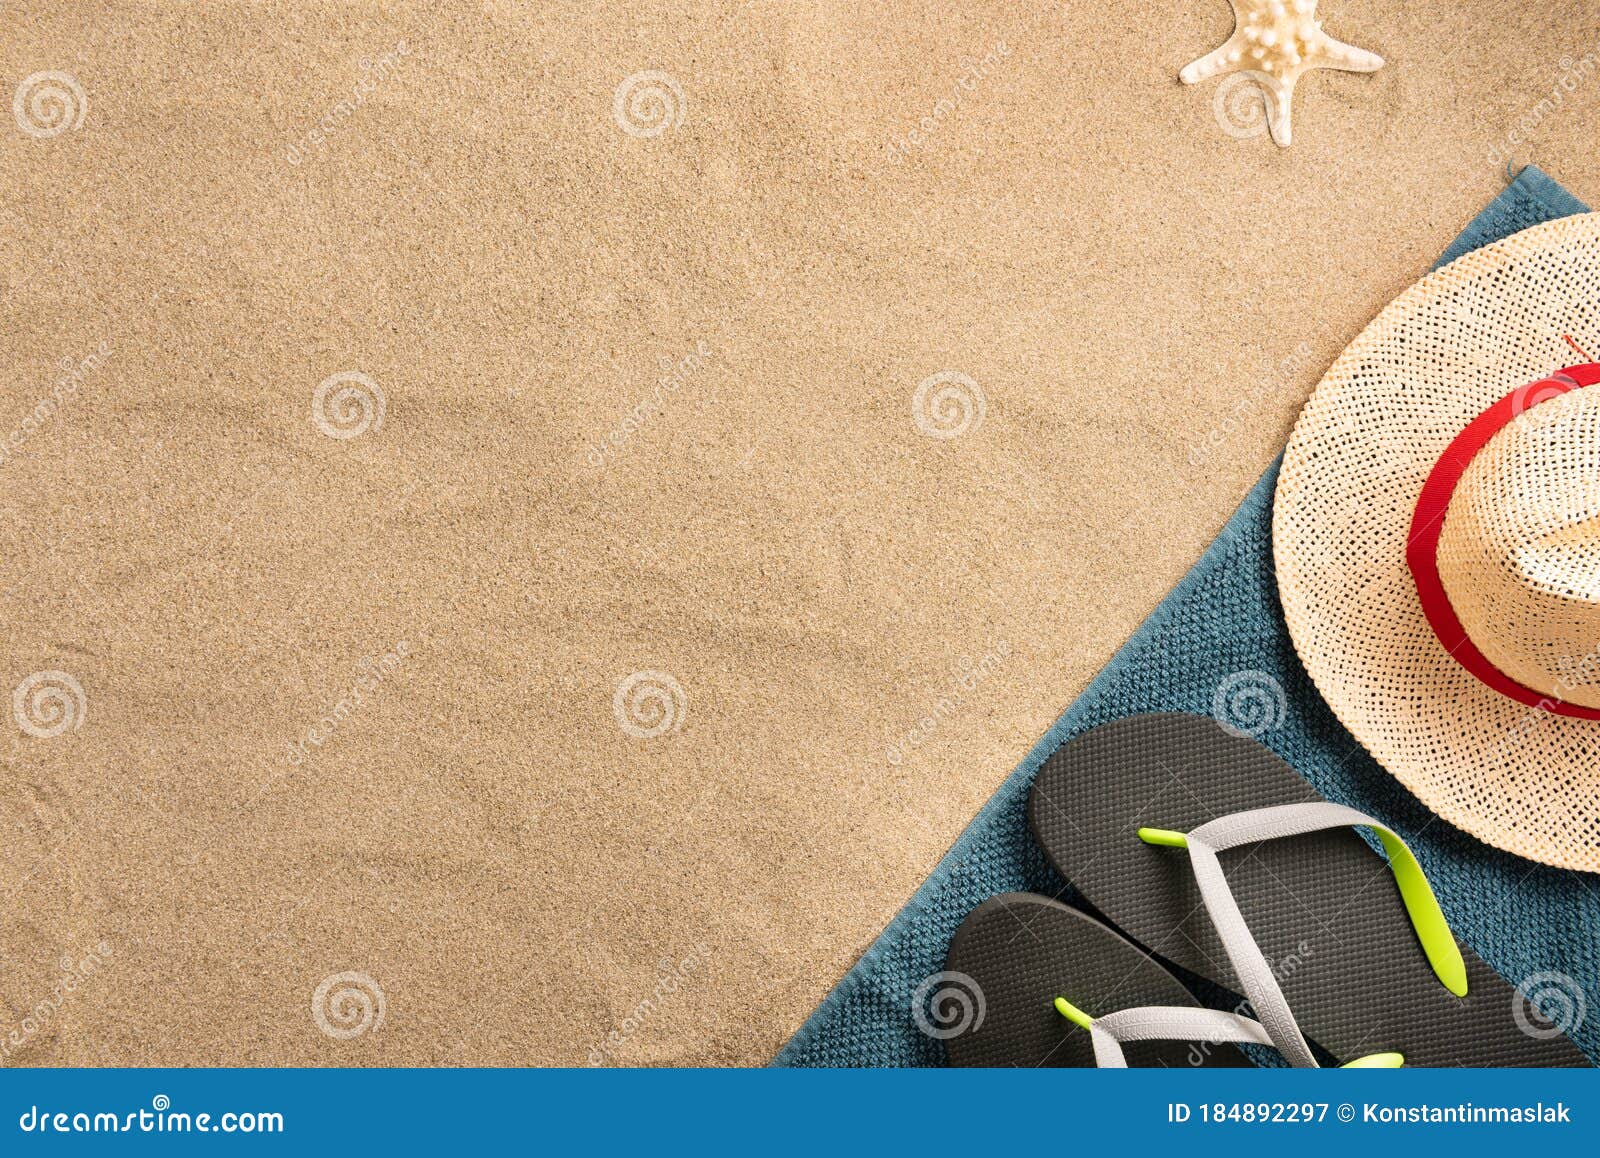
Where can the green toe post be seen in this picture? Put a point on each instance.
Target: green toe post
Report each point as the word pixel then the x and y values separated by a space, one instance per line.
pixel 1164 837
pixel 1072 1013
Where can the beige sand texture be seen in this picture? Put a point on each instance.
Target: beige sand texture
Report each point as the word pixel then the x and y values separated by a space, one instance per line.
pixel 849 628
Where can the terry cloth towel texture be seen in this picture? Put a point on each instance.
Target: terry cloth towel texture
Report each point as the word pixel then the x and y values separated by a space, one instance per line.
pixel 1223 623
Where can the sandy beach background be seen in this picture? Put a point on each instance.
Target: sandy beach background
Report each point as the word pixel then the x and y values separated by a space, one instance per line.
pixel 525 532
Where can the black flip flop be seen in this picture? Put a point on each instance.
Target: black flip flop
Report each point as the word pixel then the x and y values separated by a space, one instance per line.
pixel 1359 968
pixel 1015 954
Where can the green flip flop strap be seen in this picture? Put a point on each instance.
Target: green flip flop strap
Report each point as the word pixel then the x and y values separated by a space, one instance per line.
pixel 1249 963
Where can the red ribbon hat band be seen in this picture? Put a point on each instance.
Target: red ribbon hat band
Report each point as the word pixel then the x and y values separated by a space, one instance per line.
pixel 1427 523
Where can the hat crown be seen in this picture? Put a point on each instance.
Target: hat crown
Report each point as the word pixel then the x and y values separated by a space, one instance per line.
pixel 1519 551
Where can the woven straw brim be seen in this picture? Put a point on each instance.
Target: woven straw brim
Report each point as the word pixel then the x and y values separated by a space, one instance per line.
pixel 1465 336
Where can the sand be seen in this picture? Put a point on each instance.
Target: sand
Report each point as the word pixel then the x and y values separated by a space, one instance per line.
pixel 342 776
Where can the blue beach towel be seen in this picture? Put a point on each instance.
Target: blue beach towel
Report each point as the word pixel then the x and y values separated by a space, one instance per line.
pixel 1224 618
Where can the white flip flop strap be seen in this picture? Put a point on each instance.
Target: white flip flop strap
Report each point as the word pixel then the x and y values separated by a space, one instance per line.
pixel 1164 1023
pixel 1249 963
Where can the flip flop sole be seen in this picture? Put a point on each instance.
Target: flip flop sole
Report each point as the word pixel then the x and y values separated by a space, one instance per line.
pixel 1323 907
pixel 1018 952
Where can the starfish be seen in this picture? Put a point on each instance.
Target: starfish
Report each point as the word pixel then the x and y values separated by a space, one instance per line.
pixel 1274 42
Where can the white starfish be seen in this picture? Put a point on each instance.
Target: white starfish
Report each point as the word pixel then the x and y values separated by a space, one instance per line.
pixel 1276 41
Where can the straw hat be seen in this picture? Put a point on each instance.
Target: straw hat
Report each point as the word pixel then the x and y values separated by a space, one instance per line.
pixel 1437 542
